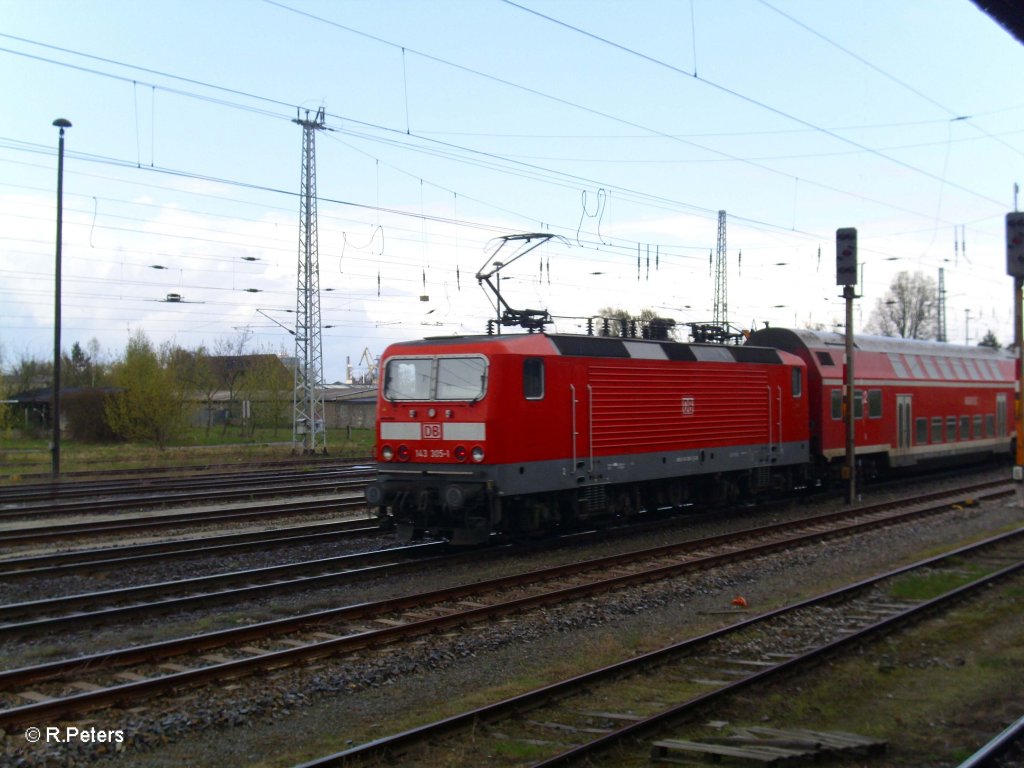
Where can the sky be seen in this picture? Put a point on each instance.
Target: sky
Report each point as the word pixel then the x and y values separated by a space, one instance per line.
pixel 621 128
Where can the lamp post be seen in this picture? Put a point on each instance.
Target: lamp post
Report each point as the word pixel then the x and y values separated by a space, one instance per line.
pixel 55 415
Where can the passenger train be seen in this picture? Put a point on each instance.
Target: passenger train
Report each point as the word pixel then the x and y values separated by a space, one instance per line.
pixel 536 432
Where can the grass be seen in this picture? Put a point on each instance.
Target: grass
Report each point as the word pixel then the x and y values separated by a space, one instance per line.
pixel 931 692
pixel 925 586
pixel 27 456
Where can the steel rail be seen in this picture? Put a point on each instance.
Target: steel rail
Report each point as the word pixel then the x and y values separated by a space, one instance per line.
pixel 326 503
pixel 61 563
pixel 69 478
pixel 990 753
pixel 163 498
pixel 50 492
pixel 277 578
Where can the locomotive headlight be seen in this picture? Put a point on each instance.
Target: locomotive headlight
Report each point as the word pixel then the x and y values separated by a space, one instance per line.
pixel 478 454
pixel 387 453
pixel 431 413
pixel 404 453
pixel 461 454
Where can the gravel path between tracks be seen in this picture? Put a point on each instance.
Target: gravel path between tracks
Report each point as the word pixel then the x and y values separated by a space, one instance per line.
pixel 296 714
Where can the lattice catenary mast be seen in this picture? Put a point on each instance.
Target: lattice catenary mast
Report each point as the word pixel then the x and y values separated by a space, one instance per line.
pixel 940 330
pixel 308 427
pixel 721 314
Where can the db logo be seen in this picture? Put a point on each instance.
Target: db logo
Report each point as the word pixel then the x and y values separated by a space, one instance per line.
pixel 431 432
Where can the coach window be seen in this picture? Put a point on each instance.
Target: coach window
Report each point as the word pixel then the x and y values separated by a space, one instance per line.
pixel 951 429
pixel 965 427
pixel 936 429
pixel 990 425
pixel 858 404
pixel 921 425
pixel 837 404
pixel 798 383
pixel 533 378
pixel 874 403
pixel 977 427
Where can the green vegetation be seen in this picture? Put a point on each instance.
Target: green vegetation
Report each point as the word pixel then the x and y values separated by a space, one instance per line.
pixel 154 408
pixel 22 457
pixel 925 586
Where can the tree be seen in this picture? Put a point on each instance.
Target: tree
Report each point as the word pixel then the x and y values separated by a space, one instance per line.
pixel 622 323
pixel 31 374
pixel 267 386
pixel 990 340
pixel 908 309
pixel 6 413
pixel 205 381
pixel 150 403
pixel 81 369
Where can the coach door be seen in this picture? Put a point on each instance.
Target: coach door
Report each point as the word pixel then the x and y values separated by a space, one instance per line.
pixel 904 425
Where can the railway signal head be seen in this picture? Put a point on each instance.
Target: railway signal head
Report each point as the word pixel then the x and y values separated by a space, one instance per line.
pixel 1015 244
pixel 846 256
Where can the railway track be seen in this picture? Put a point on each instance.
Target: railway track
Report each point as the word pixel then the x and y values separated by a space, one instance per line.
pixel 632 706
pixel 105 606
pixel 340 630
pixel 186 491
pixel 40 534
pixel 43 480
pixel 106 558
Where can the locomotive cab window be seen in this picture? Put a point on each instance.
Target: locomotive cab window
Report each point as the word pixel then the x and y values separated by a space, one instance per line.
pixel 435 378
pixel 408 379
pixel 798 383
pixel 533 378
pixel 461 378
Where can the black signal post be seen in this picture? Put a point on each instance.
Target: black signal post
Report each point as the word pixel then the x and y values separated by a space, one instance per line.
pixel 846 276
pixel 1015 268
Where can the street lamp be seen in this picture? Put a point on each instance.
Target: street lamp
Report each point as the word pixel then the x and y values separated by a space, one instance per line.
pixel 62 124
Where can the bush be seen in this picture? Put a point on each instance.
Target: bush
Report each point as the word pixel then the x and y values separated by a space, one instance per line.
pixel 85 416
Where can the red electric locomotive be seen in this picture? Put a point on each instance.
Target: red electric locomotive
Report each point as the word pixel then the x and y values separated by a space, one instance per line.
pixel 915 402
pixel 537 432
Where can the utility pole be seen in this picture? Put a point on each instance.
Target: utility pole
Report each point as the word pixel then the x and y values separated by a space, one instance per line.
pixel 308 425
pixel 61 123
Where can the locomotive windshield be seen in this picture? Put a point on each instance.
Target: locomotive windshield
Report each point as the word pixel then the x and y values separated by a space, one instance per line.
pixel 435 378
